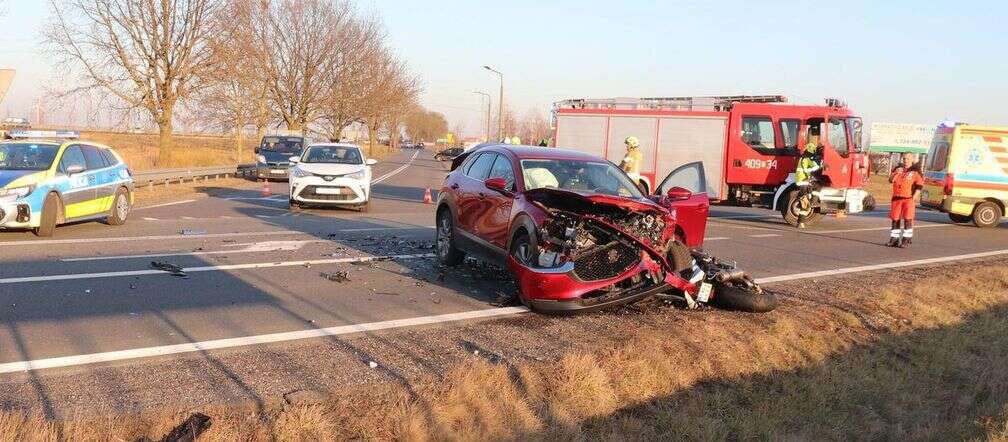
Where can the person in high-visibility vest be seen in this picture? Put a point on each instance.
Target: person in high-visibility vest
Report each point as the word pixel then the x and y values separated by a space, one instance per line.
pixel 809 163
pixel 906 181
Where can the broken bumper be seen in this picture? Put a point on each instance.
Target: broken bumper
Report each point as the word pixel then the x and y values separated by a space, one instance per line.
pixel 559 290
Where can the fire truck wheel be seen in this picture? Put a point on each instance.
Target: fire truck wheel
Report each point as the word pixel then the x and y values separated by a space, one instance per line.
pixel 730 297
pixel 790 211
pixel 987 214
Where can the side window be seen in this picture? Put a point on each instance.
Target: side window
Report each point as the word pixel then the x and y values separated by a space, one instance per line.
pixel 72 156
pixel 789 130
pixel 502 169
pixel 110 158
pixel 758 132
pixel 481 167
pixel 838 135
pixel 689 177
pixel 93 158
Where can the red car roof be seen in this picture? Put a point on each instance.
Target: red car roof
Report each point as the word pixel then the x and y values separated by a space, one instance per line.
pixel 551 153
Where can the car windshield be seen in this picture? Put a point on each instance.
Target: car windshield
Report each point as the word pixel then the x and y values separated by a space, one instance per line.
pixel 578 176
pixel 333 154
pixel 27 156
pixel 292 145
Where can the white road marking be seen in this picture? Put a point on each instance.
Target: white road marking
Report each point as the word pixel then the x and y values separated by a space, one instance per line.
pixel 165 204
pixel 888 265
pixel 256 198
pixel 886 228
pixel 368 229
pixel 741 216
pixel 255 265
pixel 93 358
pixel 396 171
pixel 765 235
pixel 187 218
pixel 716 238
pixel 257 247
pixel 148 238
pixel 147 218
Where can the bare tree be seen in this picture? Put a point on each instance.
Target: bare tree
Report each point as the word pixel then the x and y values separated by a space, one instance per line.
pixel 149 54
pixel 534 127
pixel 422 124
pixel 361 43
pixel 389 94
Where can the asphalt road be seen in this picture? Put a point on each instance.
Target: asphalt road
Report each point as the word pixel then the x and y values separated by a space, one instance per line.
pixel 254 270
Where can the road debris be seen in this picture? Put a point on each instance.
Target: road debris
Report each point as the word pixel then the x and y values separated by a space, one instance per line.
pixel 336 276
pixel 170 268
pixel 192 232
pixel 189 430
pixel 372 364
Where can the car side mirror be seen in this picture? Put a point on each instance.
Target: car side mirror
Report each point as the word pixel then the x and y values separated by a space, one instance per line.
pixel 498 184
pixel 74 169
pixel 678 193
pixel 294 159
pixel 371 162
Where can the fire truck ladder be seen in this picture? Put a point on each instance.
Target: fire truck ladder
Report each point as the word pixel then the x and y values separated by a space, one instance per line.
pixel 716 103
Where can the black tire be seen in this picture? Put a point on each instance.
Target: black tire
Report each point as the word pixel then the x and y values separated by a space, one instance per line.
pixel 789 215
pixel 987 214
pixel 524 248
pixel 448 254
pixel 869 203
pixel 961 219
pixel 120 208
pixel 50 216
pixel 730 297
pixel 294 206
pixel 680 257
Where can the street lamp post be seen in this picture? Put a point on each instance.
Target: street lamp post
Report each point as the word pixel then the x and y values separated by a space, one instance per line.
pixel 500 103
pixel 486 133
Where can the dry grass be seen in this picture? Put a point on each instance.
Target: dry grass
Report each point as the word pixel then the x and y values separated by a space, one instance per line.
pixel 921 361
pixel 880 187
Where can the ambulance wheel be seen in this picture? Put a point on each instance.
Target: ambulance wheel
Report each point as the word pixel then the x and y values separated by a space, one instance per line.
pixel 50 214
pixel 730 297
pixel 986 214
pixel 120 208
pixel 961 219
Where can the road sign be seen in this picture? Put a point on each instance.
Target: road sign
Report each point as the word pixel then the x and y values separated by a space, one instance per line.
pixel 6 76
pixel 898 137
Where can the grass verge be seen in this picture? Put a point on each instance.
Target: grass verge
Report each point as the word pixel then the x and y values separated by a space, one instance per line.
pixel 921 360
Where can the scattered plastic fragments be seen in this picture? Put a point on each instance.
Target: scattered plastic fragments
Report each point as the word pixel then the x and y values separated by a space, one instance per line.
pixel 170 268
pixel 372 364
pixel 336 276
pixel 192 232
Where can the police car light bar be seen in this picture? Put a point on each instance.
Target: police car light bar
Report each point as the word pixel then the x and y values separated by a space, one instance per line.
pixel 61 134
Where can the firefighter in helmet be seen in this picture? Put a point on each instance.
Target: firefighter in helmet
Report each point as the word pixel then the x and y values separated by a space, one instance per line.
pixel 809 165
pixel 632 159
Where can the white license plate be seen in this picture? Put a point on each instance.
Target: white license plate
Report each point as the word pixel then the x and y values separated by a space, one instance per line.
pixel 277 171
pixel 705 291
pixel 329 191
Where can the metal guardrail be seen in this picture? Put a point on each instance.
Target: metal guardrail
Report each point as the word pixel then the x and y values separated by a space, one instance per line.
pixel 166 176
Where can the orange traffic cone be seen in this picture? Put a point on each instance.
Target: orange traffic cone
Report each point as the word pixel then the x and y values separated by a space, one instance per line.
pixel 266 189
pixel 427 197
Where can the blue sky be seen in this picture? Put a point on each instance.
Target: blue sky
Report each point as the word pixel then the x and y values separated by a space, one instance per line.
pixel 901 61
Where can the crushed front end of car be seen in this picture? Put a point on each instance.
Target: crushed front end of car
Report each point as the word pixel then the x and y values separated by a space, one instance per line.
pixel 601 251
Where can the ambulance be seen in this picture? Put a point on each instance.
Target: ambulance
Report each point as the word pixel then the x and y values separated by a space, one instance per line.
pixel 966 173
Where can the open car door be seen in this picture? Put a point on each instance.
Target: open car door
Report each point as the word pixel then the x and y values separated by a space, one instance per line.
pixel 685 190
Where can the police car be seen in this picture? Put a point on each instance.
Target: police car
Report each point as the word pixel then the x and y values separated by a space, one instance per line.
pixel 50 177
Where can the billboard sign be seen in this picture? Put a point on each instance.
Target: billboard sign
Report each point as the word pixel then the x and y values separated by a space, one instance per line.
pixel 900 137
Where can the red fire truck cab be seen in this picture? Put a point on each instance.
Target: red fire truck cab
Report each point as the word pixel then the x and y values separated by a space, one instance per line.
pixel 749 145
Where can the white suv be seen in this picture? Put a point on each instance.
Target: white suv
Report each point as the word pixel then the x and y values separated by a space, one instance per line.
pixel 330 174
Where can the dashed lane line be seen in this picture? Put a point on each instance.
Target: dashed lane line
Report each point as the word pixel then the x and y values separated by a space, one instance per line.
pixel 254 265
pixel 244 341
pixel 766 235
pixel 165 204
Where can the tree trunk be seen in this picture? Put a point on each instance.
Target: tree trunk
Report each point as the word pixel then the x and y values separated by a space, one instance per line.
pixel 372 138
pixel 239 140
pixel 165 140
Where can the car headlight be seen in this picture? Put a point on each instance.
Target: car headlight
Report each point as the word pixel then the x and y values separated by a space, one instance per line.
pixel 296 172
pixel 19 192
pixel 261 159
pixel 358 175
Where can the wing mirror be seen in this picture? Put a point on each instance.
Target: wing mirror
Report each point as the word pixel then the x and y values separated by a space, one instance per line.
pixel 678 193
pixel 294 159
pixel 498 184
pixel 371 161
pixel 74 169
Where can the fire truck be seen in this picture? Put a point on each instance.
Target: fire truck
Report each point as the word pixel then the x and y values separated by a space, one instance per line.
pixel 748 146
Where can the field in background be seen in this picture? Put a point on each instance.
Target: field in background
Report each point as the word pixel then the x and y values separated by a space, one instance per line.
pixel 840 361
pixel 190 150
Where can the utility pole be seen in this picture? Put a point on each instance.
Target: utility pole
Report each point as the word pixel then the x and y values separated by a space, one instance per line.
pixel 500 103
pixel 486 133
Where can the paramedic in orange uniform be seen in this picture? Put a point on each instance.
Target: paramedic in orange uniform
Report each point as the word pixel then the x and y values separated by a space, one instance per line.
pixel 906 181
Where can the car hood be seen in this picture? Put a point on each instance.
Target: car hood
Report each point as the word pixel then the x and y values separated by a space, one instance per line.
pixel 589 202
pixel 273 156
pixel 330 168
pixel 9 176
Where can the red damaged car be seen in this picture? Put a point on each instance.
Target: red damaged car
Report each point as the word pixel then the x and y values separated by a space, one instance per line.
pixel 578 234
